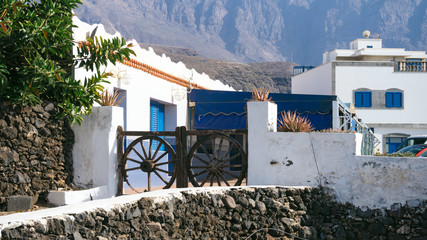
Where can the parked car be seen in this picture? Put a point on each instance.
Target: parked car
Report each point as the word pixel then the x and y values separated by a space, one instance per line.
pixel 418 150
pixel 412 141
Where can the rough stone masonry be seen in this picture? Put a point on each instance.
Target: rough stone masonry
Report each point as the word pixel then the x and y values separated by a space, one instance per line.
pixel 237 213
pixel 35 151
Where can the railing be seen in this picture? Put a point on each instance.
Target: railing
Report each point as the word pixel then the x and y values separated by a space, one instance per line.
pixel 350 122
pixel 301 69
pixel 411 66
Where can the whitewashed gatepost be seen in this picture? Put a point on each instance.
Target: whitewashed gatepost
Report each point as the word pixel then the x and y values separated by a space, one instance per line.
pixel 95 157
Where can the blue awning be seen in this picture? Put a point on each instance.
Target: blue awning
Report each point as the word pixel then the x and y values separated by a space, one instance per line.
pixel 227 110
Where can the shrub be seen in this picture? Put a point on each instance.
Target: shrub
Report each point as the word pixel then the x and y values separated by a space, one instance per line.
pixel 260 95
pixel 36 60
pixel 292 122
pixel 108 98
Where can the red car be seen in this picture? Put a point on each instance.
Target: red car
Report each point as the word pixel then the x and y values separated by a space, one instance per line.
pixel 418 150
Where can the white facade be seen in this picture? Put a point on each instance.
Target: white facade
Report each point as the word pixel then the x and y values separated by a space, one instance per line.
pixel 367 67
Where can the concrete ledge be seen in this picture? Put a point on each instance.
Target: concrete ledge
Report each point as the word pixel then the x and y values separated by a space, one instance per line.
pixel 61 198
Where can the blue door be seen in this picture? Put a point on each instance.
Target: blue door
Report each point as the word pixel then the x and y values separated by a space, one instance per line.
pixel 392 143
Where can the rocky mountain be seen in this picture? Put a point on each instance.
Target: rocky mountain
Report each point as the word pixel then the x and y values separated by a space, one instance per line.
pixel 274 76
pixel 262 30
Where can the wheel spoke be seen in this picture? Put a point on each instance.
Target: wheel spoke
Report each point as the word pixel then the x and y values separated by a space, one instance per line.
pixel 223 179
pixel 232 165
pixel 162 170
pixel 131 169
pixel 206 152
pixel 200 173
pixel 161 156
pixel 213 147
pixel 163 163
pixel 161 178
pixel 219 147
pixel 157 149
pixel 199 167
pixel 200 159
pixel 137 153
pixel 143 149
pixel 212 178
pixel 233 157
pixel 134 160
pixel 207 177
pixel 228 151
pixel 229 173
pixel 149 148
pixel 217 179
pixel 149 181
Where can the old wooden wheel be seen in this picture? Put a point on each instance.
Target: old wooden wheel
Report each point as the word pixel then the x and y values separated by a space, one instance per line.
pixel 152 156
pixel 216 159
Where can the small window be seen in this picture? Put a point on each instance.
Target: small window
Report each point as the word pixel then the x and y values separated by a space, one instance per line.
pixel 369 46
pixel 393 99
pixel 363 99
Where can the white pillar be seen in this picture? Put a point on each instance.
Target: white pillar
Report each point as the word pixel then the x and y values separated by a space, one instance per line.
pixel 95 149
pixel 335 115
pixel 262 118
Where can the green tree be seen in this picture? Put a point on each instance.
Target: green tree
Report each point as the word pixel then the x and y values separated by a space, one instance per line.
pixel 36 60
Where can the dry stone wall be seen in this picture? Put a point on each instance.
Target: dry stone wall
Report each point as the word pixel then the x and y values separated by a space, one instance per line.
pixel 243 213
pixel 35 151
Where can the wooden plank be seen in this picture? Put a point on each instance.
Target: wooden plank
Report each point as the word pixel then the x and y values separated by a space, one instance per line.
pixel 120 163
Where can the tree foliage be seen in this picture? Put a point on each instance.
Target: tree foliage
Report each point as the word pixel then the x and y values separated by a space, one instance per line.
pixel 37 62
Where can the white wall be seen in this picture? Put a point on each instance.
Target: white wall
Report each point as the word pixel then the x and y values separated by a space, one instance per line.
pixel 331 160
pixel 314 81
pixel 95 149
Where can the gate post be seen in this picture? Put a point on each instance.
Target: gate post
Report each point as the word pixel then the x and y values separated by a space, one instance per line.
pixel 119 160
pixel 181 153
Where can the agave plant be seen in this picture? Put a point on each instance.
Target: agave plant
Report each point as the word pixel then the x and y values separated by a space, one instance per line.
pixel 110 98
pixel 260 95
pixel 292 122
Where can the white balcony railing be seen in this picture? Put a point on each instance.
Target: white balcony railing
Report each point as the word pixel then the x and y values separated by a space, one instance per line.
pixel 411 66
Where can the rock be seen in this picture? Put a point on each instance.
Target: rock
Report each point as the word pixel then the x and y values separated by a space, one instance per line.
pixel 49 107
pixel 229 202
pixel 413 203
pixel 377 229
pixel 404 230
pixel 39 123
pixel 154 226
pixel 19 203
pixel 396 210
pixel 22 177
pixel 252 203
pixel 261 207
pixel 77 236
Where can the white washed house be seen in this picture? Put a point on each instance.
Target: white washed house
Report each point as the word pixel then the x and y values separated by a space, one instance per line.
pixel 155 99
pixel 386 86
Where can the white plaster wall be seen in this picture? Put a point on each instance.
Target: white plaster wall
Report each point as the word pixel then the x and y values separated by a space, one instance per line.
pixel 314 81
pixel 331 160
pixel 382 78
pixel 95 149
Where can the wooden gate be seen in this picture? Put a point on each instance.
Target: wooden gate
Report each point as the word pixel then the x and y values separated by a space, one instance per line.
pixel 175 158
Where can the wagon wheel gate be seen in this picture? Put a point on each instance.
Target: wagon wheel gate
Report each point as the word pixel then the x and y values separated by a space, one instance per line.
pixel 202 157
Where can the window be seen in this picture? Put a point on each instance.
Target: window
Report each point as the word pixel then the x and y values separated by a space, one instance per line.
pixel 363 99
pixel 393 99
pixel 369 46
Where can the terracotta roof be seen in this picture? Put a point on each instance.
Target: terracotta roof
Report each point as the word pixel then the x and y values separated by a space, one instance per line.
pixel 161 74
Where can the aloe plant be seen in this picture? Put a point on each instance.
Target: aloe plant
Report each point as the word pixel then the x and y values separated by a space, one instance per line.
pixel 292 122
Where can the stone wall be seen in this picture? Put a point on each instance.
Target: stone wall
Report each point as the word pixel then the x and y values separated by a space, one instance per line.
pixel 231 213
pixel 35 151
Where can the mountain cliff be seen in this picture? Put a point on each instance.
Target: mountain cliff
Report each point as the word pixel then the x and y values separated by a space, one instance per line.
pixel 262 30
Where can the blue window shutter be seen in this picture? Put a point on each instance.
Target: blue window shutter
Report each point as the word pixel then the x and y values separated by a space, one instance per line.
pixel 389 99
pixel 398 99
pixel 367 99
pixel 393 99
pixel 157 121
pixel 358 99
pixel 363 99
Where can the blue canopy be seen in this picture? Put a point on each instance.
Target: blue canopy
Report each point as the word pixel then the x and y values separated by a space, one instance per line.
pixel 227 110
